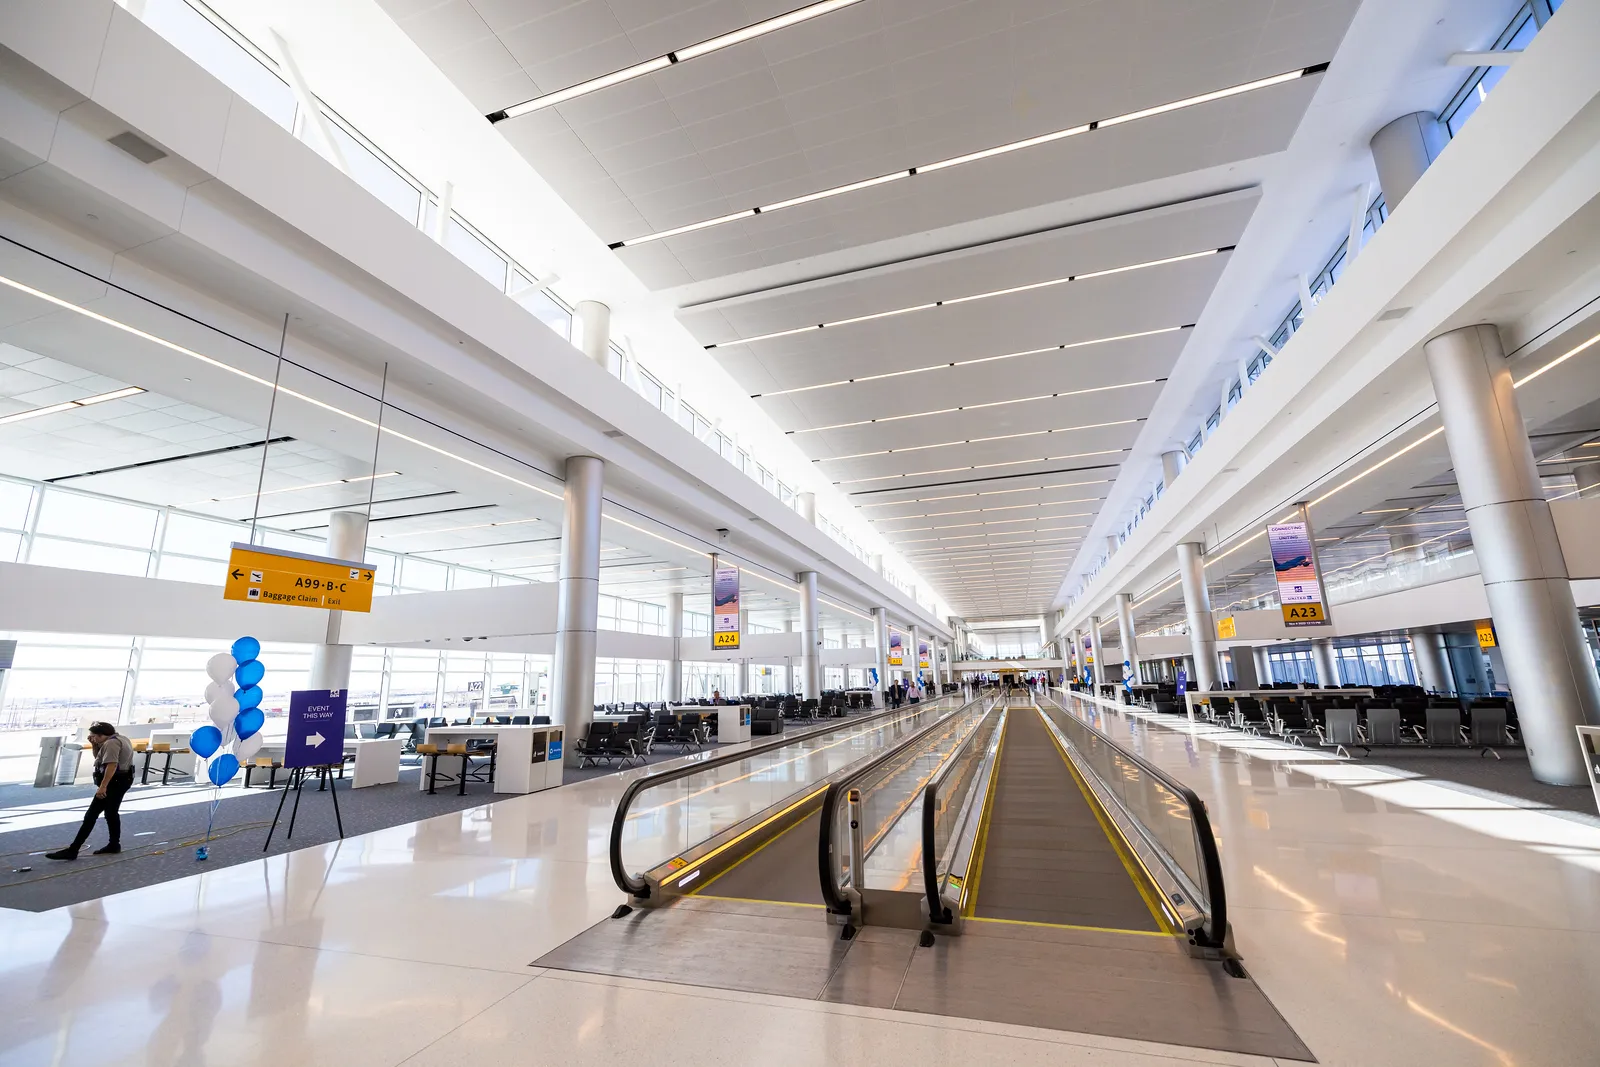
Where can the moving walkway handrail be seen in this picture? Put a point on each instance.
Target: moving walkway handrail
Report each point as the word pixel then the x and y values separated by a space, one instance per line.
pixel 930 824
pixel 637 886
pixel 1215 932
pixel 832 897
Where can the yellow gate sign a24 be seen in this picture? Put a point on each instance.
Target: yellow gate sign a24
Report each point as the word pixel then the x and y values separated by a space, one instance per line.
pixel 273 576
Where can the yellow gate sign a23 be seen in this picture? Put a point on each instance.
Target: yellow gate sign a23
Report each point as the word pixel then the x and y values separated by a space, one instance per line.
pixel 264 575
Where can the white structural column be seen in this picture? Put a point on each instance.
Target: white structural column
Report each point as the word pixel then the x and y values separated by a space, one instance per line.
pixel 594 331
pixel 1263 664
pixel 330 662
pixel 1402 150
pixel 1097 649
pixel 805 505
pixel 1197 606
pixel 880 636
pixel 1433 662
pixel 1078 658
pixel 810 637
pixel 1171 467
pixel 675 631
pixel 577 601
pixel 1327 663
pixel 1551 672
pixel 1130 640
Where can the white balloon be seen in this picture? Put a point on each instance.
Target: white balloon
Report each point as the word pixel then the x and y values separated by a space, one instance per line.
pixel 214 690
pixel 223 711
pixel 246 749
pixel 221 667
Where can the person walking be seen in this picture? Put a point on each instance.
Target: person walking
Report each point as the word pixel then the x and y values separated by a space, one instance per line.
pixel 113 774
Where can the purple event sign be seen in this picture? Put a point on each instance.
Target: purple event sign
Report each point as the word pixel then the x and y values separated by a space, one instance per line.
pixel 316 727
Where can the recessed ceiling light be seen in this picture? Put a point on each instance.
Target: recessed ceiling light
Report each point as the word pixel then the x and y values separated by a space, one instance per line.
pixel 979 440
pixel 987 153
pixel 978 407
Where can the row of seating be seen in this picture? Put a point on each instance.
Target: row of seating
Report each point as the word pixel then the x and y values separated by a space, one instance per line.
pixel 1369 722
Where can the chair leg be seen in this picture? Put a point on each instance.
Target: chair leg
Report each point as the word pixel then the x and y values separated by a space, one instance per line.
pixel 462 791
pixel 144 777
pixel 433 771
pixel 493 754
pixel 166 768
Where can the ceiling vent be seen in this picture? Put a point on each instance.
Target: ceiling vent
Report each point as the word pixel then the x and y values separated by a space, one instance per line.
pixel 1394 313
pixel 614 434
pixel 137 147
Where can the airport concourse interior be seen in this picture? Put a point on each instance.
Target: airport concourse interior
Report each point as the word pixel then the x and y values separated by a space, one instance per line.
pixel 768 532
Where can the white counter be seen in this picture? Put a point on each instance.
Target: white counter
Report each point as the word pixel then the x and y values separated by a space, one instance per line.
pixel 524 762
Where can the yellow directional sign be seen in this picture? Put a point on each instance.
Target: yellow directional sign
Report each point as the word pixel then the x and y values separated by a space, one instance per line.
pixel 1486 635
pixel 273 576
pixel 1227 627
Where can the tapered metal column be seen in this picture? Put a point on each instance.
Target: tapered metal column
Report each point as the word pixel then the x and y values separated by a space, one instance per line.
pixel 1551 673
pixel 675 631
pixel 330 662
pixel 1433 662
pixel 1327 663
pixel 1130 640
pixel 1078 658
pixel 880 635
pixel 1197 606
pixel 810 636
pixel 577 601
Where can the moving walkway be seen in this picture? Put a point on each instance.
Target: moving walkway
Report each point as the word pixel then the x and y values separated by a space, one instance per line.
pixel 744 824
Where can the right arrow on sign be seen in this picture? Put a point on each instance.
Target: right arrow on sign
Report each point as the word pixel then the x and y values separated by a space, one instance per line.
pixel 315 740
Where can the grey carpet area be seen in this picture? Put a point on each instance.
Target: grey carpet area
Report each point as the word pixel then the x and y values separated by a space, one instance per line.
pixel 158 845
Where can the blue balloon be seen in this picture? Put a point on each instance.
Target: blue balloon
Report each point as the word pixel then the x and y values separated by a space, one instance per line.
pixel 248 721
pixel 246 649
pixel 205 741
pixel 248 697
pixel 223 768
pixel 249 673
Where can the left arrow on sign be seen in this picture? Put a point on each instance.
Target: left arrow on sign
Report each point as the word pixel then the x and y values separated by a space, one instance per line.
pixel 236 574
pixel 315 740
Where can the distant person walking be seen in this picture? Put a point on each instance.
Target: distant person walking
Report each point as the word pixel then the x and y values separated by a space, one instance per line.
pixel 113 773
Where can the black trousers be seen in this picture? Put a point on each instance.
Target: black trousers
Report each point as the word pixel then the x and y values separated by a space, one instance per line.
pixel 110 805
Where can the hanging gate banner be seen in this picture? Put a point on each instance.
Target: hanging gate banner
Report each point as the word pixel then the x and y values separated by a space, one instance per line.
pixel 896 655
pixel 724 604
pixel 1295 568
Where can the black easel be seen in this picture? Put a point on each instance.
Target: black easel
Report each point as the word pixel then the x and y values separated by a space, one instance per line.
pixel 297 778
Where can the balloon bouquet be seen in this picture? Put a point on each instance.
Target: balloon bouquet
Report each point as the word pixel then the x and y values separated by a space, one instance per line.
pixel 234 697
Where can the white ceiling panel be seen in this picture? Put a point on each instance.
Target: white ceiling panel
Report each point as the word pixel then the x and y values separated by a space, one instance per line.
pixel 875 88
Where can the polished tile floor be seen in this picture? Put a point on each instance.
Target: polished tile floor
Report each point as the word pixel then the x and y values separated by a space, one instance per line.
pixel 1392 920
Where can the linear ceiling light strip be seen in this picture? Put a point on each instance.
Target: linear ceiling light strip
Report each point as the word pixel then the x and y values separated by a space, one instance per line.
pixel 979 407
pixel 282 390
pixel 985 466
pixel 650 66
pixel 978 440
pixel 970 362
pixel 996 522
pixel 990 294
pixel 982 511
pixel 70 405
pixel 986 492
pixel 987 153
pixel 290 489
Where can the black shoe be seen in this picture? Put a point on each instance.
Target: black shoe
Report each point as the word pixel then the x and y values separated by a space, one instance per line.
pixel 62 854
pixel 109 850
